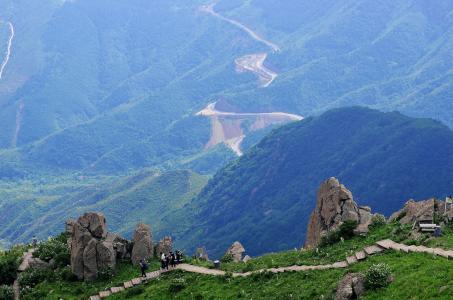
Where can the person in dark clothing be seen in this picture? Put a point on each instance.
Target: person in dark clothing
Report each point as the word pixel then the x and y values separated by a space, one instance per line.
pixel 143 267
pixel 172 260
pixel 178 256
pixel 167 261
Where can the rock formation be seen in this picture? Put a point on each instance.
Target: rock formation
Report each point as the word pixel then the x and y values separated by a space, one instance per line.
pixel 334 206
pixel 350 287
pixel 413 212
pixel 165 245
pixel 236 250
pixel 246 259
pixel 143 243
pixel 92 247
pixel 201 253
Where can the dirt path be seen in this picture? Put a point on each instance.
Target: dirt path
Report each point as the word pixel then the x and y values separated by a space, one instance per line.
pixel 24 265
pixel 210 9
pixel 8 49
pixel 227 127
pixel 254 62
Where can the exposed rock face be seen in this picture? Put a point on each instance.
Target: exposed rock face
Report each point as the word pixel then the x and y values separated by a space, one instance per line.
pixel 418 211
pixel 246 259
pixel 334 206
pixel 92 248
pixel 165 245
pixel 143 243
pixel 350 287
pixel 201 253
pixel 236 250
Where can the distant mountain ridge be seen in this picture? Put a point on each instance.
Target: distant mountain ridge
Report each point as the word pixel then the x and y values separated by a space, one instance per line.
pixel 264 198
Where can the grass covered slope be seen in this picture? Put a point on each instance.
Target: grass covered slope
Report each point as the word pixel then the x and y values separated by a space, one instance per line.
pixel 264 198
pixel 41 207
pixel 416 275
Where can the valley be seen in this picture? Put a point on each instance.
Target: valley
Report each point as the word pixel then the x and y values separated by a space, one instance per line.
pixel 8 49
pixel 231 128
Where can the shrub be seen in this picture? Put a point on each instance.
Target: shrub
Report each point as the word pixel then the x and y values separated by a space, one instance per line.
pixel 378 220
pixel 6 292
pixel 105 273
pixel 9 262
pixel 32 277
pixel 377 276
pixel 56 249
pixel 227 258
pixel 345 231
pixel 65 274
pixel 177 285
pixel 136 290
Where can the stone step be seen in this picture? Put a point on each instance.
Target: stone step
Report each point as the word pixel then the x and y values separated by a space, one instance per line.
pixel 373 249
pixel 340 264
pixel 361 255
pixel 104 294
pixel 386 244
pixel 136 281
pixel 128 284
pixel 95 297
pixel 116 289
pixel 351 259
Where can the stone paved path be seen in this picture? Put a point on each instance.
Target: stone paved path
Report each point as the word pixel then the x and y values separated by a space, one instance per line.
pixel 24 265
pixel 378 247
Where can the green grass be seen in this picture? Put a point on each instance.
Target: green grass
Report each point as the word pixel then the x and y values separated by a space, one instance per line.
pixel 416 276
pixel 82 290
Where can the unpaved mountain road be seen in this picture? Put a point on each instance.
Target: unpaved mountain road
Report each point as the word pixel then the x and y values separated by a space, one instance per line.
pixel 254 62
pixel 227 127
pixel 8 49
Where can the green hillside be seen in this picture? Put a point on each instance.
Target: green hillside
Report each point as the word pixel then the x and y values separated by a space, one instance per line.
pixel 41 207
pixel 415 275
pixel 264 198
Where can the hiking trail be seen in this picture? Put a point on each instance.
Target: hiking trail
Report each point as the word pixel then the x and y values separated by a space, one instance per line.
pixel 361 255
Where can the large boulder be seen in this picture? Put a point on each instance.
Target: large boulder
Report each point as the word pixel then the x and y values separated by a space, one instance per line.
pixel 237 251
pixel 95 223
pixel 165 245
pixel 201 253
pixel 143 244
pixel 334 205
pixel 351 287
pixel 92 247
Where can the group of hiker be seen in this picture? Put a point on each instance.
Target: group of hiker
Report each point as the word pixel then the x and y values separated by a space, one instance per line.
pixel 170 260
pixel 167 261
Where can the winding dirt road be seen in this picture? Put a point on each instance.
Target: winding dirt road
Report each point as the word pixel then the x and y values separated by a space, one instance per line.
pixel 8 49
pixel 227 127
pixel 254 62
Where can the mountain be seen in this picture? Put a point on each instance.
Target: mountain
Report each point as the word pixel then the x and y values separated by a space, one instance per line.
pixel 118 84
pixel 41 208
pixel 264 199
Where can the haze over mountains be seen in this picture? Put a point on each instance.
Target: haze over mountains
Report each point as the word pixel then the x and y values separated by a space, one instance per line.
pixel 93 93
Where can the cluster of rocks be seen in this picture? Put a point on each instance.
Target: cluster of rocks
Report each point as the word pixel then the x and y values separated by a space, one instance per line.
pixel 94 249
pixel 351 287
pixel 422 211
pixel 335 205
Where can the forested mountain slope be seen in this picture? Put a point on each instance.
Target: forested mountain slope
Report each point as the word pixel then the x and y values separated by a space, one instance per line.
pixel 264 198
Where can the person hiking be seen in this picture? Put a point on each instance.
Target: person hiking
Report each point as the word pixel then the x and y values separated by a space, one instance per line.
pixel 34 241
pixel 162 260
pixel 172 260
pixel 143 267
pixel 178 256
pixel 167 261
